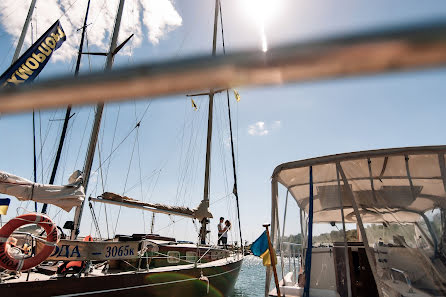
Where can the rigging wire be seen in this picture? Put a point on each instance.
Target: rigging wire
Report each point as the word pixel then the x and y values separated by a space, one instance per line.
pixel 187 171
pixel 126 179
pixel 112 145
pixel 140 179
pixel 41 144
pixel 219 125
pixel 140 172
pixel 34 137
pixel 235 191
pixel 82 138
pixel 125 138
pixel 9 50
pixel 66 10
pixel 182 218
pixel 103 190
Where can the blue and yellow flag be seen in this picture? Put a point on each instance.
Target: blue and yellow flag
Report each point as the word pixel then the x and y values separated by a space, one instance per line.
pixel 4 204
pixel 260 249
pixel 29 65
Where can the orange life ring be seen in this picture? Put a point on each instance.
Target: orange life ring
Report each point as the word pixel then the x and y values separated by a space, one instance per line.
pixel 9 262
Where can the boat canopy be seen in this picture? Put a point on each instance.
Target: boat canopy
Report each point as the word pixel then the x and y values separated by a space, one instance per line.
pixel 389 185
pixel 65 197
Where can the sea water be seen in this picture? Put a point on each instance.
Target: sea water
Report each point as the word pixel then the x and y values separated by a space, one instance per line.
pixel 251 279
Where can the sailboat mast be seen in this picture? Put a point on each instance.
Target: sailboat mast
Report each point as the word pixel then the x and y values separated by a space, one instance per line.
pixel 68 112
pixel 23 34
pixel 18 49
pixel 97 122
pixel 203 231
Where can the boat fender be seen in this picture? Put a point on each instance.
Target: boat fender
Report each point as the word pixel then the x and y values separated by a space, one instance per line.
pixel 21 262
pixel 205 279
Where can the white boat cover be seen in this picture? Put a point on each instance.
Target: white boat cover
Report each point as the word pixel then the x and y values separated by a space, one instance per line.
pixel 390 185
pixel 65 197
pixel 201 212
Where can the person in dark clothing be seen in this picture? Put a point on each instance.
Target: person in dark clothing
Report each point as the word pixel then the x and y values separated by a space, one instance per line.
pixel 224 237
pixel 221 228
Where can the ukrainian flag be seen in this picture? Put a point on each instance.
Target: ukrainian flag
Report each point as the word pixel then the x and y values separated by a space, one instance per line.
pixel 4 204
pixel 260 249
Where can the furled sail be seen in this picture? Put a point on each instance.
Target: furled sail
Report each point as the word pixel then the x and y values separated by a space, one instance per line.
pixel 112 198
pixel 65 197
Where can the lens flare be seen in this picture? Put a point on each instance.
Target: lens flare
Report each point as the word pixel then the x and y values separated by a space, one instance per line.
pixel 261 12
pixel 264 42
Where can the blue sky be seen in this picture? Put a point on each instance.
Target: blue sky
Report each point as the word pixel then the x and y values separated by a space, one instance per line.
pixel 272 124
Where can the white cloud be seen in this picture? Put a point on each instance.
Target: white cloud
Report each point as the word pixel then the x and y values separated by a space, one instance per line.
pixel 158 16
pixel 262 129
pixel 257 129
pixel 276 124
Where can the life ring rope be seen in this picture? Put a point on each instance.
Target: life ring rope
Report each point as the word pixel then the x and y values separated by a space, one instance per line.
pixel 19 263
pixel 45 242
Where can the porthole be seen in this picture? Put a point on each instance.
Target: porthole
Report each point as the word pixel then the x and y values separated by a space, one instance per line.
pixel 173 257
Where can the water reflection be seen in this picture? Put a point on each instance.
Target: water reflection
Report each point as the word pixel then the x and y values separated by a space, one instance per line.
pixel 251 280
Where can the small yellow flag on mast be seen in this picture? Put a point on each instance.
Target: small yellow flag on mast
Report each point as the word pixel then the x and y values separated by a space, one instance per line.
pixel 193 104
pixel 237 95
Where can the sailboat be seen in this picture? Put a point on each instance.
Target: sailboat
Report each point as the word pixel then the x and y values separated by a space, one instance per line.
pixel 136 265
pixel 393 199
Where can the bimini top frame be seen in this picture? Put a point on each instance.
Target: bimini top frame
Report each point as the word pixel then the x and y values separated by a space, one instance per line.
pixel 389 185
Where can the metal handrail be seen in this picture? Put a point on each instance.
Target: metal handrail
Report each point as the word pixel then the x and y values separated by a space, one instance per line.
pixel 406 276
pixel 390 49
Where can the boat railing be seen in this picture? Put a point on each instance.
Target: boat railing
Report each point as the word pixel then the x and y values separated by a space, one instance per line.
pixel 291 253
pixel 213 247
pixel 183 259
pixel 406 277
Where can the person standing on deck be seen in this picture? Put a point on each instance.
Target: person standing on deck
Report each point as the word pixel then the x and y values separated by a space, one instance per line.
pixel 226 228
pixel 221 228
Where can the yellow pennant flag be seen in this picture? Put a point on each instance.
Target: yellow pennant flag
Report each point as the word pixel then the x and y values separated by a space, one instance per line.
pixel 267 258
pixel 237 95
pixel 193 104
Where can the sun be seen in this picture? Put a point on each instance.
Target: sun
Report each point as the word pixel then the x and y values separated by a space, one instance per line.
pixel 261 12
